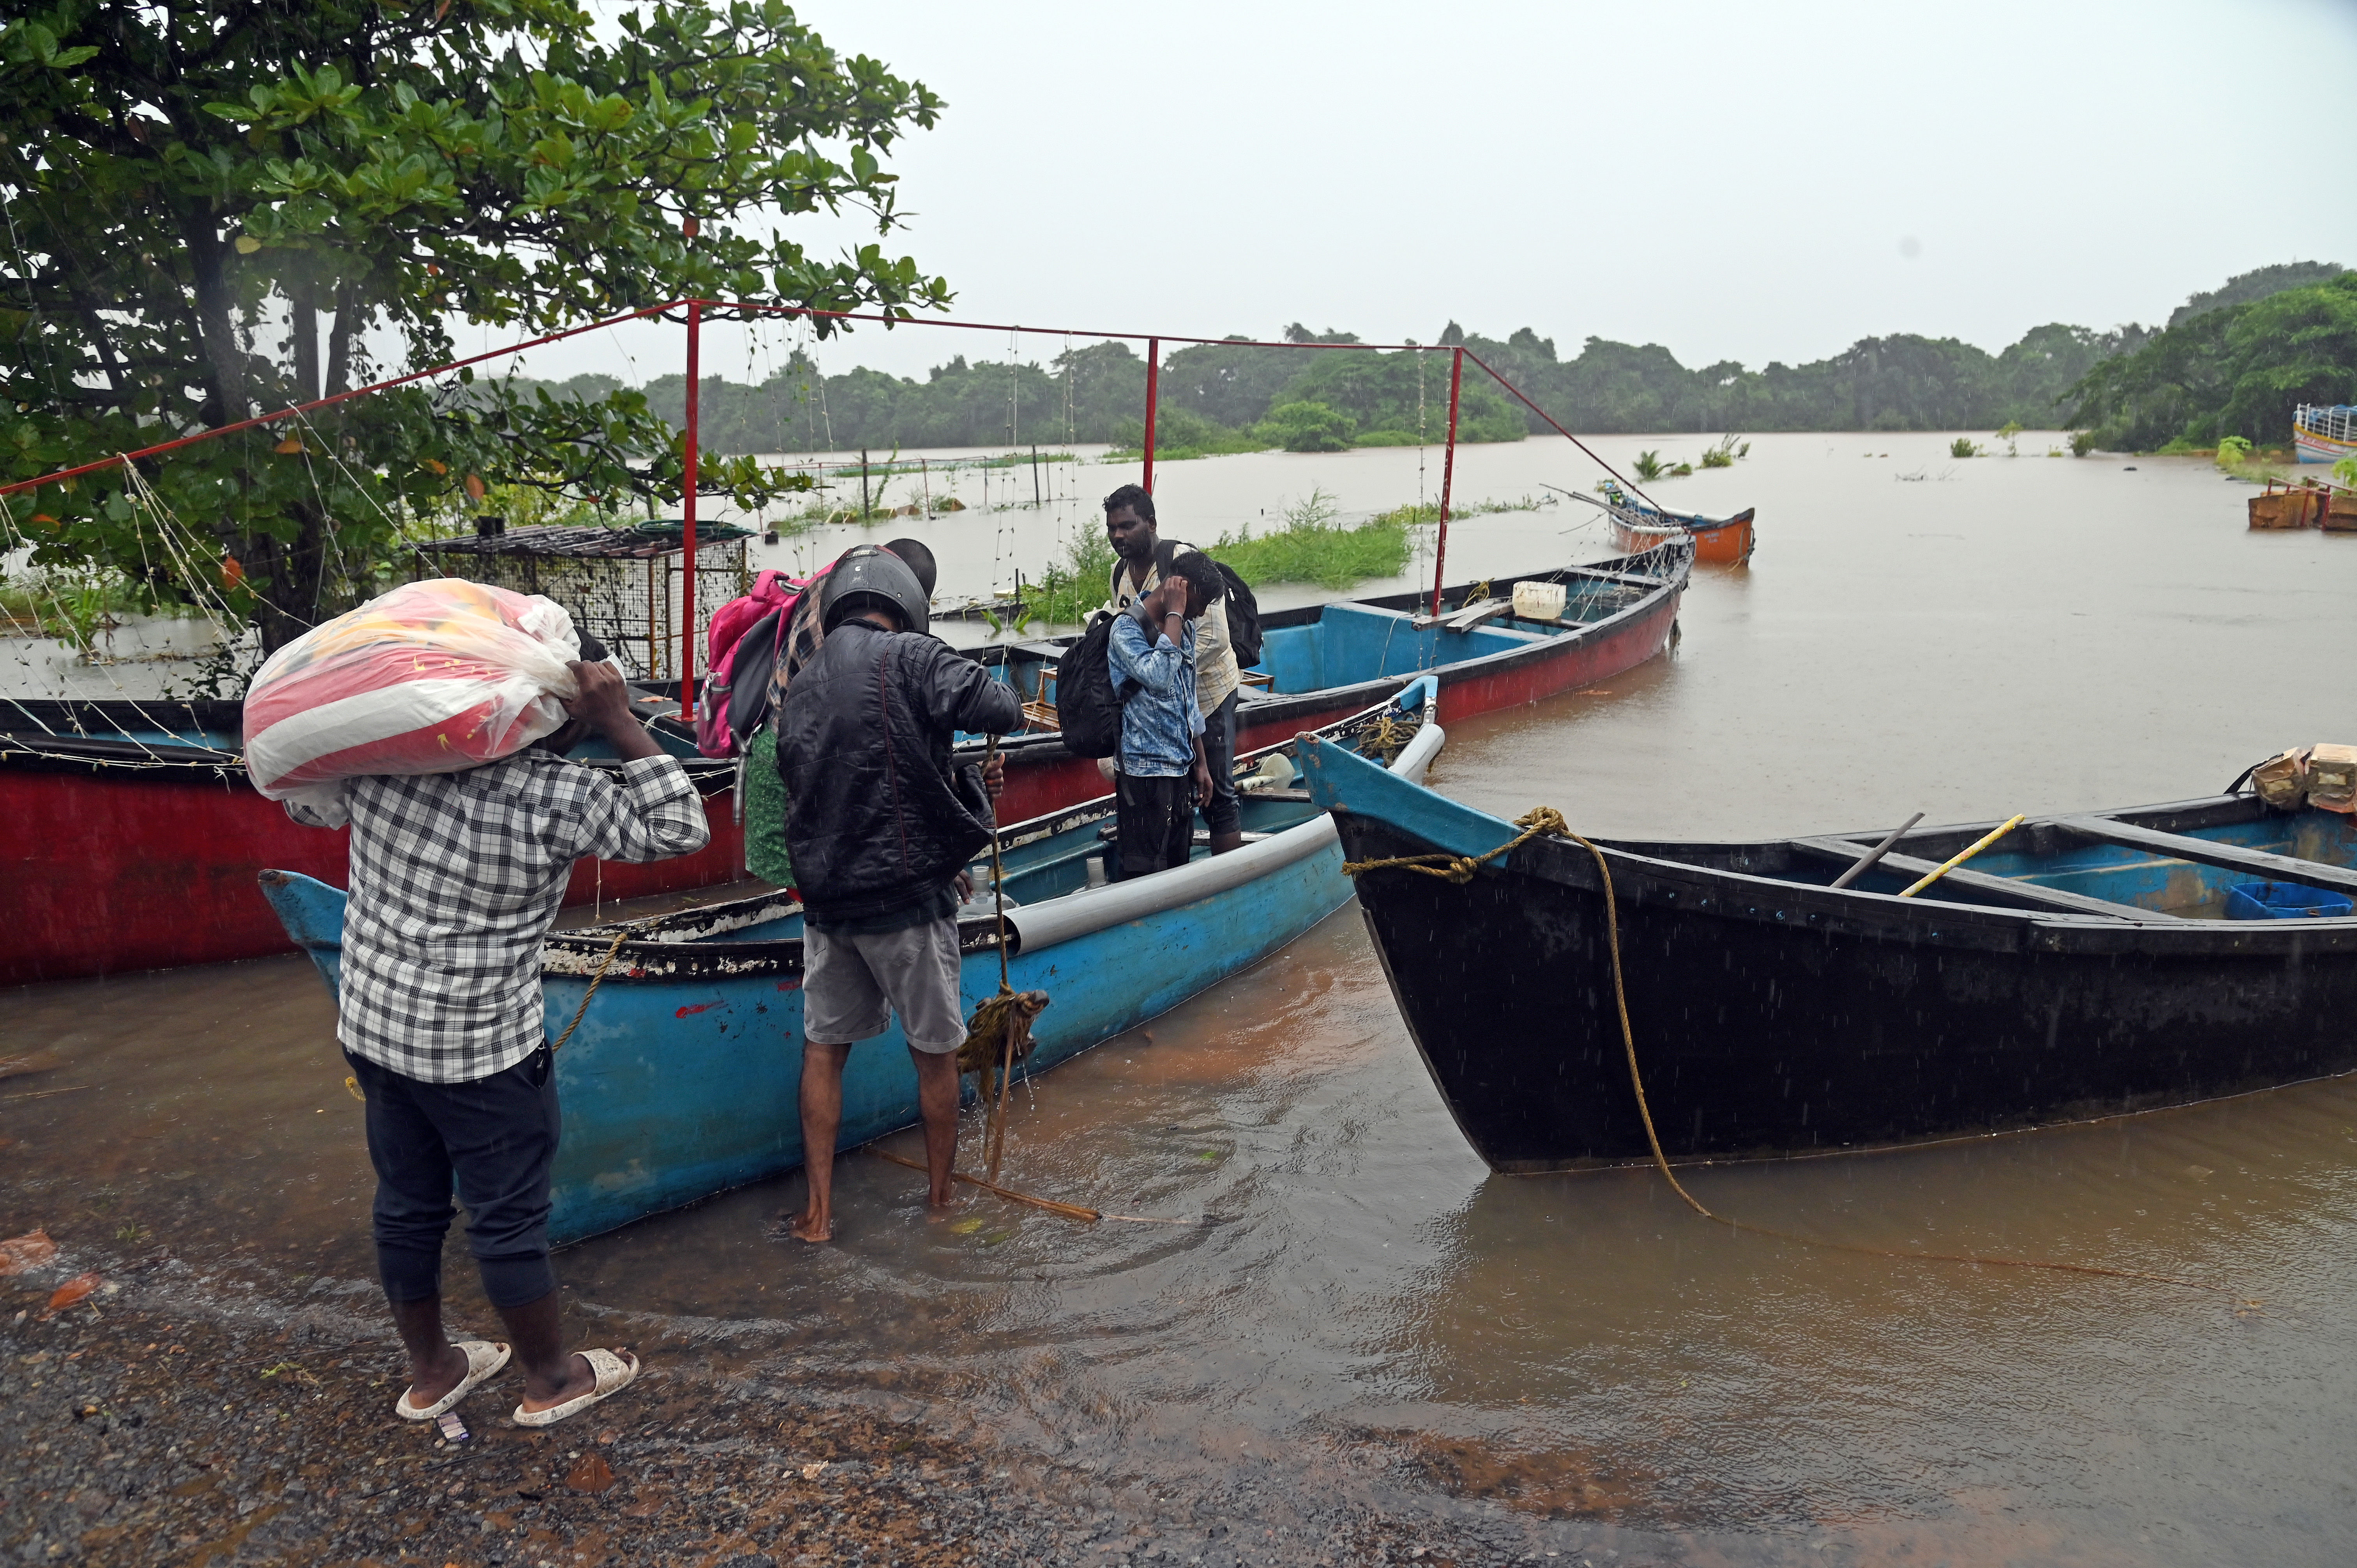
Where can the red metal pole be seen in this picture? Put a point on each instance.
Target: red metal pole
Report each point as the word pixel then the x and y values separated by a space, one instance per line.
pixel 1448 473
pixel 1153 402
pixel 687 520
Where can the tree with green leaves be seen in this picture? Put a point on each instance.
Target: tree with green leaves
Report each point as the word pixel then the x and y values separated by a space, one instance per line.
pixel 2240 369
pixel 216 211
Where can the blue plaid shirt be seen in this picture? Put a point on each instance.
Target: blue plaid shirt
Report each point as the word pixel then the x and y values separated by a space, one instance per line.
pixel 1156 681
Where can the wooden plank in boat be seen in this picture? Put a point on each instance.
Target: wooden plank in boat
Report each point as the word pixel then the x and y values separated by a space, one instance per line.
pixel 2259 862
pixel 2022 894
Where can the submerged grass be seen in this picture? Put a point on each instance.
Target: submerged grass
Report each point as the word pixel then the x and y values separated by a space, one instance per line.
pixel 1311 546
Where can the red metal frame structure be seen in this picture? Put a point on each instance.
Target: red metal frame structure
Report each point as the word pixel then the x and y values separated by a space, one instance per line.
pixel 687 517
pixel 696 309
pixel 1153 404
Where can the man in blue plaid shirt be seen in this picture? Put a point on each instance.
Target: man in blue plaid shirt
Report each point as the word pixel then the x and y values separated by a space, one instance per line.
pixel 456 878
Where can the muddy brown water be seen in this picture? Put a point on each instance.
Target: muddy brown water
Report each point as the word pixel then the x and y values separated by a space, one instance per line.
pixel 1358 1308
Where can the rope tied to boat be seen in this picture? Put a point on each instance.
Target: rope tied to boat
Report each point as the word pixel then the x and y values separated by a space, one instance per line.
pixel 1539 821
pixel 1001 1027
pixel 1546 820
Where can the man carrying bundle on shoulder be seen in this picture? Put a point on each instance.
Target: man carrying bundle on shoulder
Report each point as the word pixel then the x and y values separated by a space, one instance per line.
pixel 881 823
pixel 1144 554
pixel 455 879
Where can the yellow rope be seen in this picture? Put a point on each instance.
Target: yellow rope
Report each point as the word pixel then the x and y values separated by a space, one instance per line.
pixel 1459 868
pixel 581 1011
pixel 1541 820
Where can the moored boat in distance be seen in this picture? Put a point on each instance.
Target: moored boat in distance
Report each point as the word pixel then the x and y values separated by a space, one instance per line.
pixel 1319 662
pixel 2082 967
pixel 2324 432
pixel 681 1080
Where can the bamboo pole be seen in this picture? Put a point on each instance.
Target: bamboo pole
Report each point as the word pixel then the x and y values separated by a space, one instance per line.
pixel 1955 861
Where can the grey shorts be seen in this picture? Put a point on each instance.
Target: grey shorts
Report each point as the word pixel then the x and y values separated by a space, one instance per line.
pixel 854 985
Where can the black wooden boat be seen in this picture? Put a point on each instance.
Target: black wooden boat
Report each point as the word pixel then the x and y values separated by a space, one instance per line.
pixel 2082 967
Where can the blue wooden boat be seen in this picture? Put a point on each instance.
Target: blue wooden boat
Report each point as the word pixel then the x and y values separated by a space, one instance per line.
pixel 1321 663
pixel 682 1079
pixel 2086 965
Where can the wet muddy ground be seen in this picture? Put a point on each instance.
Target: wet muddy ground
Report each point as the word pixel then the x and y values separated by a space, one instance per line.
pixel 1360 1342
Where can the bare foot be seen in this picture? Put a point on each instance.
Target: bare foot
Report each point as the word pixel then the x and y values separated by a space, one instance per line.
pixel 814 1228
pixel 448 1371
pixel 940 1209
pixel 580 1378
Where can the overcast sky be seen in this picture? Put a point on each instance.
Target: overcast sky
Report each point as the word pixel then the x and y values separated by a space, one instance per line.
pixel 1733 181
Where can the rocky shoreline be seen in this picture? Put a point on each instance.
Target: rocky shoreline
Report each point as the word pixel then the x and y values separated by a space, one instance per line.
pixel 174 1415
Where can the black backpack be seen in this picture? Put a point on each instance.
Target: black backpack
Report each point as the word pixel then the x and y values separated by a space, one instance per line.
pixel 1087 712
pixel 1243 610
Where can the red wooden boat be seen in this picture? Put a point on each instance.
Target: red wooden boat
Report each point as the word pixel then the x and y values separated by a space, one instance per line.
pixel 133 839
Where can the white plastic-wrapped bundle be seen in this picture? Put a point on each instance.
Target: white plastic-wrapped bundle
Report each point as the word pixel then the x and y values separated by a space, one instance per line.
pixel 431 678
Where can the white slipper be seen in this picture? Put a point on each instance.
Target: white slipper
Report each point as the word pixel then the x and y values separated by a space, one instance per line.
pixel 483 1359
pixel 614 1374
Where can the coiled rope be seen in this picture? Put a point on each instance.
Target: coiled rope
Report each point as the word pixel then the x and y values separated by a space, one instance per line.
pixel 1547 821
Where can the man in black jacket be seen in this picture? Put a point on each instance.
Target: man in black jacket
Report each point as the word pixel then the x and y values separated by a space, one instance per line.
pixel 881 825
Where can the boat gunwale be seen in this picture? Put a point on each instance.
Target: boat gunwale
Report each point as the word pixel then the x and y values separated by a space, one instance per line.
pixel 1640 878
pixel 1277 709
pixel 582 950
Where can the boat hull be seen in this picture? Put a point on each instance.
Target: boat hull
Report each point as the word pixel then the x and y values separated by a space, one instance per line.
pixel 113 869
pixel 675 1090
pixel 682 1077
pixel 1042 776
pixel 1724 544
pixel 1778 1018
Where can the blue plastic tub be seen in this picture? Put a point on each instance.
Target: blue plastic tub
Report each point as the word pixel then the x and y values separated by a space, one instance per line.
pixel 2284 901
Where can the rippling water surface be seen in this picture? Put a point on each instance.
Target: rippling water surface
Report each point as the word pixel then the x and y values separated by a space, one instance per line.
pixel 1353 1303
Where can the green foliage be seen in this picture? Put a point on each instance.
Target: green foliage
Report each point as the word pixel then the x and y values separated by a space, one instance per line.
pixel 1179 436
pixel 73 605
pixel 1312 547
pixel 1069 589
pixel 1403 396
pixel 196 190
pixel 1306 427
pixel 2237 371
pixel 1725 453
pixel 1648 466
pixel 1963 446
pixel 2232 452
pixel 2244 288
pixel 2081 443
pixel 2345 472
pixel 2010 434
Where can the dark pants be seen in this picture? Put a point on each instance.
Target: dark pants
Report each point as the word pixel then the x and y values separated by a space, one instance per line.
pixel 495 1138
pixel 1157 823
pixel 1222 815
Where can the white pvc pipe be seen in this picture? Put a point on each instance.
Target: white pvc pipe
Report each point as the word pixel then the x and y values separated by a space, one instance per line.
pixel 1043 925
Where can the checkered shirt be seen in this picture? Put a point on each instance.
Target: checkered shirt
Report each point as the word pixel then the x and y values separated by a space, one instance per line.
pixel 456 878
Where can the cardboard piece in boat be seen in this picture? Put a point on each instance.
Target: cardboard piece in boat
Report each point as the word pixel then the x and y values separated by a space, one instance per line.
pixel 2323 775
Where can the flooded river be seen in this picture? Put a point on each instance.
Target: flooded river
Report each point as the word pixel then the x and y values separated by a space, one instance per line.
pixel 1354 1305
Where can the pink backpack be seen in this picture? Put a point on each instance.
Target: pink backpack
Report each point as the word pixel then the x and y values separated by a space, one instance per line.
pixel 772 591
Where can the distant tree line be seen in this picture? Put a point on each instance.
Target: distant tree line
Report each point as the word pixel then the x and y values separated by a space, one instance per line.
pixel 2236 371
pixel 1230 396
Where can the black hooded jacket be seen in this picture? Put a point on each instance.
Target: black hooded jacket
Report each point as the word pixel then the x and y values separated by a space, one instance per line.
pixel 878 817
